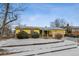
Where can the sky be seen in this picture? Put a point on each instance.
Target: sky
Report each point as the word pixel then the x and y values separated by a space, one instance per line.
pixel 41 14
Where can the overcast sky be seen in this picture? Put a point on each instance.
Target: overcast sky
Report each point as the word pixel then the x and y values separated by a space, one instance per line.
pixel 42 14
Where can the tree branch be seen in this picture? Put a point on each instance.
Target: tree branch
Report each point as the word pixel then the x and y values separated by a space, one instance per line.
pixel 11 20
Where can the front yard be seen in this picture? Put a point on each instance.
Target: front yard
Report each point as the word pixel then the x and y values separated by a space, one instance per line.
pixel 35 46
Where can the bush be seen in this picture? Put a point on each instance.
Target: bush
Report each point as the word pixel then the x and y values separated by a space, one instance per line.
pixel 75 36
pixel 22 35
pixel 69 35
pixel 58 36
pixel 35 35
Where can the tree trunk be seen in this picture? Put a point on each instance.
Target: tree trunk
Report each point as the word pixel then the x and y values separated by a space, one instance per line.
pixel 5 18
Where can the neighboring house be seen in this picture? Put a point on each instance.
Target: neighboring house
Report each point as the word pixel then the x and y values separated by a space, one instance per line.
pixel 75 30
pixel 49 32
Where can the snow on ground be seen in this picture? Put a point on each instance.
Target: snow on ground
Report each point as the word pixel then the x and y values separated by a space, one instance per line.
pixel 38 47
pixel 70 52
pixel 72 38
pixel 25 41
pixel 26 49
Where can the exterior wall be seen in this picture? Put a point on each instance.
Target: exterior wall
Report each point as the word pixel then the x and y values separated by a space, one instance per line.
pixel 58 31
pixel 37 30
pixel 27 31
pixel 51 33
pixel 75 32
pixel 54 32
pixel 17 31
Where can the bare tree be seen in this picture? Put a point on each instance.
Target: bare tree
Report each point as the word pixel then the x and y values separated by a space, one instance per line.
pixel 68 30
pixel 58 23
pixel 10 13
pixel 6 15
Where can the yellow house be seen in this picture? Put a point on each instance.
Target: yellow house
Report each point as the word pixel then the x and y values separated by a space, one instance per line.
pixel 51 32
pixel 28 30
pixel 42 31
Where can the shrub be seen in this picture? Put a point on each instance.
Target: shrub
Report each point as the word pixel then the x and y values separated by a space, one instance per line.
pixel 22 35
pixel 58 36
pixel 35 35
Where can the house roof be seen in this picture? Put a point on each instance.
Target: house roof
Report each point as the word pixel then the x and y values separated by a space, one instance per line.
pixel 50 28
pixel 41 28
pixel 75 27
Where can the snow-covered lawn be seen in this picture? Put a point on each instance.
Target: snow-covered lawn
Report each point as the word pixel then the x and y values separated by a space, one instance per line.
pixel 72 38
pixel 70 52
pixel 35 46
pixel 26 41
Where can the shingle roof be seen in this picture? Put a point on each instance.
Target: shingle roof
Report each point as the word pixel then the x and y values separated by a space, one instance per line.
pixel 41 28
pixel 75 27
pixel 50 28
